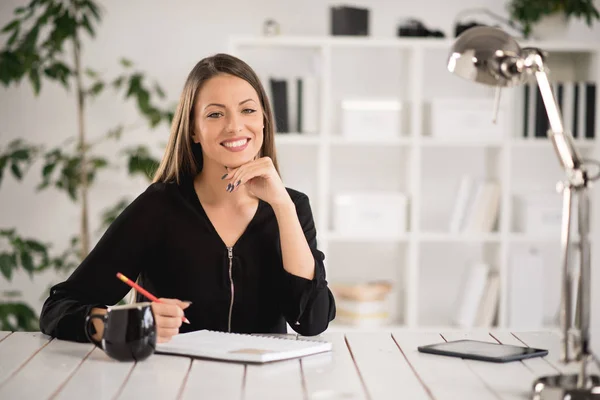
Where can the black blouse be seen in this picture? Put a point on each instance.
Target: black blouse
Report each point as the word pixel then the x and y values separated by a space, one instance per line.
pixel 165 239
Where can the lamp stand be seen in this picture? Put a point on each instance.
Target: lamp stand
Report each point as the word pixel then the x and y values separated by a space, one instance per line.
pixel 576 333
pixel 581 385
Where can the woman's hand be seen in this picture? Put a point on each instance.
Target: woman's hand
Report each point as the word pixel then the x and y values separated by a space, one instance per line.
pixel 167 316
pixel 261 179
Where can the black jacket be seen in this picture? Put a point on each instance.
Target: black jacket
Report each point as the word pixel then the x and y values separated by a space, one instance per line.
pixel 166 239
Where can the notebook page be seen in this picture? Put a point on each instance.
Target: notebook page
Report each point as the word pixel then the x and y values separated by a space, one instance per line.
pixel 239 347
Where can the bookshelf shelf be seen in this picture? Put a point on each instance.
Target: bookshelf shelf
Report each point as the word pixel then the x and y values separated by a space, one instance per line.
pixel 420 163
pixel 297 139
pixel 332 236
pixel 342 141
pixel 443 237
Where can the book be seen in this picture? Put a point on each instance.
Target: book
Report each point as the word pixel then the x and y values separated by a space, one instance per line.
pixel 471 294
pixel 240 347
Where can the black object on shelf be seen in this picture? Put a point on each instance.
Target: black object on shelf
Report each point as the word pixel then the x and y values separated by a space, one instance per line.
pixel 351 21
pixel 415 28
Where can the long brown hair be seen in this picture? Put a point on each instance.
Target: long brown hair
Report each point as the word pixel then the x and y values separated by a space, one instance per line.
pixel 183 157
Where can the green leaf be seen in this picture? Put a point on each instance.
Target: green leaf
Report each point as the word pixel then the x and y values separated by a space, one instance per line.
pixel 97 88
pixel 11 293
pixel 11 25
pixel 115 133
pixel 36 246
pixel 88 26
pixel 24 314
pixel 91 73
pixel 34 77
pixel 126 63
pixel 16 171
pixel 6 265
pixel 159 91
pixel 27 261
pixel 48 168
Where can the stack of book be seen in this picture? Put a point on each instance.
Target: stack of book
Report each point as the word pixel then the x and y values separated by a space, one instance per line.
pixel 476 206
pixel 295 103
pixel 576 100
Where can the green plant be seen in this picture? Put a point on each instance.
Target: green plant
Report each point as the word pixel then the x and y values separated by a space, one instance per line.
pixel 45 44
pixel 528 12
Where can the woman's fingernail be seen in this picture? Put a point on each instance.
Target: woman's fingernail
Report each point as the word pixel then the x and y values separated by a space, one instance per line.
pixel 228 186
pixel 238 183
pixel 188 302
pixel 224 176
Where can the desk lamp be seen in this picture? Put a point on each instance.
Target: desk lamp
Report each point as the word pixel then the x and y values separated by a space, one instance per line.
pixel 490 56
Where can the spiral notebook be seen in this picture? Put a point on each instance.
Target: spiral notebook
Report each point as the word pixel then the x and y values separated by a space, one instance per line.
pixel 240 347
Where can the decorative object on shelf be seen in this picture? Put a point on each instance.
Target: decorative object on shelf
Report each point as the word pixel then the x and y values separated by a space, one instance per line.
pixel 412 27
pixel 549 19
pixel 462 118
pixel 465 20
pixel 349 21
pixel 490 56
pixel 371 118
pixel 370 213
pixel 271 27
pixel 362 303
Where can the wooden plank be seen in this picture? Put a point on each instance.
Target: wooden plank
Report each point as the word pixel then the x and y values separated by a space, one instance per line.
pixel 158 377
pixel 383 367
pixel 4 334
pixel 99 377
pixel 552 342
pixel 445 377
pixel 46 371
pixel 16 349
pixel 332 375
pixel 214 380
pixel 509 381
pixel 538 366
pixel 279 380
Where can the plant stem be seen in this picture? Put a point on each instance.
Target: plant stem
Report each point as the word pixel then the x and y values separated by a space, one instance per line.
pixel 82 148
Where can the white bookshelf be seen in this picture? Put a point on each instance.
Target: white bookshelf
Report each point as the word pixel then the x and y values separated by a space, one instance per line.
pixel 312 161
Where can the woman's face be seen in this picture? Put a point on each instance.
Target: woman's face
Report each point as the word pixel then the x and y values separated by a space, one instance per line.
pixel 228 121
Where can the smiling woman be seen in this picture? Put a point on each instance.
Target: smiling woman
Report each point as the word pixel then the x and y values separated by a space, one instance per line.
pixel 217 227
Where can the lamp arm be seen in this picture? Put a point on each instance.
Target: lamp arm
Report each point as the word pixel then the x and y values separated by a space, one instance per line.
pixel 562 140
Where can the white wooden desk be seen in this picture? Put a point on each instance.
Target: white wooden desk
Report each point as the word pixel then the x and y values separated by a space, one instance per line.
pixel 363 365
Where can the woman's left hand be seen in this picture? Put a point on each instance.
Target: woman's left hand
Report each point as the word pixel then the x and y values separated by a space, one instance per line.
pixel 261 179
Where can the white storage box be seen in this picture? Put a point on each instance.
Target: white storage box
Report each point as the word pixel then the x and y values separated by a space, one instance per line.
pixel 371 118
pixel 542 214
pixel 467 118
pixel 370 213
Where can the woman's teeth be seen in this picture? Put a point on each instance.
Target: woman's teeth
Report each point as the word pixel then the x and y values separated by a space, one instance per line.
pixel 237 143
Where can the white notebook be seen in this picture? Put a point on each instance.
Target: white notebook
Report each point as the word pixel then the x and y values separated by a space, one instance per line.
pixel 240 347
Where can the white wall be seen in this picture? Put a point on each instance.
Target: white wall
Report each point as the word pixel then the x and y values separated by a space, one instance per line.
pixel 165 39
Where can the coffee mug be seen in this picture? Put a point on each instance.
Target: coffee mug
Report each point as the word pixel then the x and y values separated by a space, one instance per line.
pixel 129 331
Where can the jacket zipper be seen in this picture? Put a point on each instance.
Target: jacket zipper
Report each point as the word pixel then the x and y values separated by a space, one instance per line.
pixel 230 255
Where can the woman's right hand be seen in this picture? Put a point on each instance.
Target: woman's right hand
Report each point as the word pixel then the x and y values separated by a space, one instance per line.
pixel 168 316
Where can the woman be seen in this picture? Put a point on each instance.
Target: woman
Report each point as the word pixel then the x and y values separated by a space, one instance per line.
pixel 216 236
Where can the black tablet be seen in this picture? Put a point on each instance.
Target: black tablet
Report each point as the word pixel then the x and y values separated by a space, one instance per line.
pixel 483 351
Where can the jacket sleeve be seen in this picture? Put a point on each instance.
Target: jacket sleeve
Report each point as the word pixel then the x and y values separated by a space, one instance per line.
pixel 125 248
pixel 308 305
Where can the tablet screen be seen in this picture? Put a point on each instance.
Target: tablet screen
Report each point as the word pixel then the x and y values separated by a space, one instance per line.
pixel 476 349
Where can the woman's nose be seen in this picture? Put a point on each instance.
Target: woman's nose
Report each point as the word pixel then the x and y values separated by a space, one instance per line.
pixel 234 124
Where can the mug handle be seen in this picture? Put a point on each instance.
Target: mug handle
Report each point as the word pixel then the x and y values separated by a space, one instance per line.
pixel 88 320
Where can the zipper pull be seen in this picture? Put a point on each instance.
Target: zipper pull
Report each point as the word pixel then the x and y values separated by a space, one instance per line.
pixel 230 252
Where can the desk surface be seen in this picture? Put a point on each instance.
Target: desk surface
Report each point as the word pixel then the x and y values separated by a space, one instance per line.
pixel 365 365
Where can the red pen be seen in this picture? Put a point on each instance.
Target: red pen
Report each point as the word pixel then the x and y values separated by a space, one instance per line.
pixel 143 291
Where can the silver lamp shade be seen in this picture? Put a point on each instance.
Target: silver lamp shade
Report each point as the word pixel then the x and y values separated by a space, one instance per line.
pixel 487 55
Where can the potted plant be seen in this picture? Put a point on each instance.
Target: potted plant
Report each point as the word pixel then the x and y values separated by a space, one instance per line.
pixel 43 44
pixel 548 19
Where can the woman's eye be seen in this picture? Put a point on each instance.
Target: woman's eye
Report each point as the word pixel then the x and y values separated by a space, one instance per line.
pixel 249 111
pixel 214 115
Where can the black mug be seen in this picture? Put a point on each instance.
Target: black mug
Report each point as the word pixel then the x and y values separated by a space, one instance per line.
pixel 129 331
